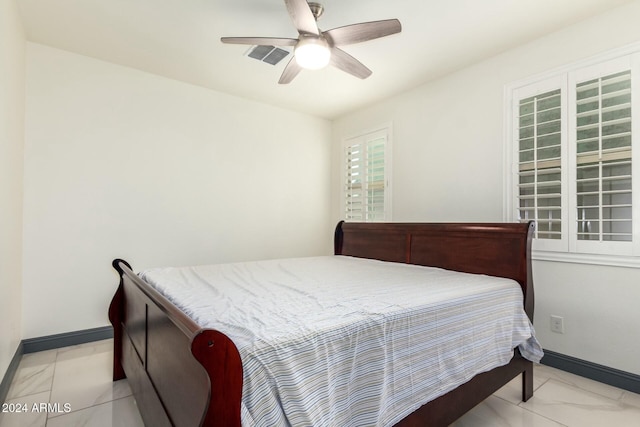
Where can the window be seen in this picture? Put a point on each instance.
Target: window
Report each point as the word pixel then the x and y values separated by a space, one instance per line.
pixel 367 165
pixel 571 142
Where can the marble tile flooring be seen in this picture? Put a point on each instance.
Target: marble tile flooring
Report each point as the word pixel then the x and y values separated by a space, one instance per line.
pixel 76 383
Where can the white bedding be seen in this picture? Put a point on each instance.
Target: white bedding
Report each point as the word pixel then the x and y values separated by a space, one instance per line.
pixel 341 341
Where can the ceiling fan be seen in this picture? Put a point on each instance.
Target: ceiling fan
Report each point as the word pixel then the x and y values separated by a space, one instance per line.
pixel 314 49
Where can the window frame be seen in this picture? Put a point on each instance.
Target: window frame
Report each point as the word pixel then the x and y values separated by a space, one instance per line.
pixel 383 130
pixel 572 250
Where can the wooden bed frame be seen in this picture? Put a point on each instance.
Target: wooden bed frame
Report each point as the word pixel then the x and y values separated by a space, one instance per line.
pixel 183 375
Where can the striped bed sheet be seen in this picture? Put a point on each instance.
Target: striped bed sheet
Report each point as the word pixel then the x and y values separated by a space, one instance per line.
pixel 342 341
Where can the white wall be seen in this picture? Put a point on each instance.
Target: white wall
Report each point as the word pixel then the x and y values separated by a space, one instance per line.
pixel 121 163
pixel 448 166
pixel 12 66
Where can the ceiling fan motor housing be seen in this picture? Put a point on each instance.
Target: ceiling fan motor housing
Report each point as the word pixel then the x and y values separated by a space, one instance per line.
pixel 317 9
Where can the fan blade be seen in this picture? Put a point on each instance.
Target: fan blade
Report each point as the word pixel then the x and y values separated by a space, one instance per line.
pixel 362 32
pixel 347 63
pixel 260 41
pixel 302 18
pixel 290 72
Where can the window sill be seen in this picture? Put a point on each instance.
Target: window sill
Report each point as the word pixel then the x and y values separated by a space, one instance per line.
pixel 608 260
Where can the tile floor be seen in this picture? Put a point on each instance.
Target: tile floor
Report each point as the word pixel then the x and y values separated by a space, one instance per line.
pixel 78 379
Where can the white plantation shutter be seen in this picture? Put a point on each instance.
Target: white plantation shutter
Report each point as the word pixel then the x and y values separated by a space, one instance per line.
pixel 366 182
pixel 354 183
pixel 539 132
pixel 573 138
pixel 376 179
pixel 603 142
pixel 539 168
pixel 602 114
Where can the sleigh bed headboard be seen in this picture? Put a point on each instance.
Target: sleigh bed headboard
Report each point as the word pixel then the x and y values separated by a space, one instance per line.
pixel 494 249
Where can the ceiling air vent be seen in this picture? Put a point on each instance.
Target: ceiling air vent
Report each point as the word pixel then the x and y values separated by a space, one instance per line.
pixel 269 54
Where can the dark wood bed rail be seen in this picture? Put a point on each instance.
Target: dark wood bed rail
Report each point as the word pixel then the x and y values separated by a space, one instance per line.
pixel 494 249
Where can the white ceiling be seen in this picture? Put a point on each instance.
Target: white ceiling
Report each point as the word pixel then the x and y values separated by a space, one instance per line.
pixel 180 39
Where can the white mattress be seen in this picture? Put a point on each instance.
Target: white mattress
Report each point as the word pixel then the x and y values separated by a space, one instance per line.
pixel 341 341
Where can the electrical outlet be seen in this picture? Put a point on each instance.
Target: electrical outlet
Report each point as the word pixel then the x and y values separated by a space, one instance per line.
pixel 557 324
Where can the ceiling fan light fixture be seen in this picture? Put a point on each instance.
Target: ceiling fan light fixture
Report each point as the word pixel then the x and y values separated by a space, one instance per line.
pixel 312 53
